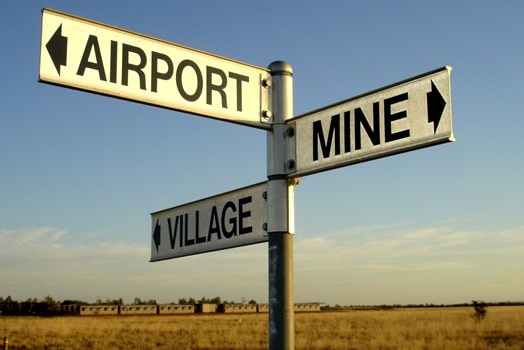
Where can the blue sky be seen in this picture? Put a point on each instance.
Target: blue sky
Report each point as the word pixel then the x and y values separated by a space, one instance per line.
pixel 80 173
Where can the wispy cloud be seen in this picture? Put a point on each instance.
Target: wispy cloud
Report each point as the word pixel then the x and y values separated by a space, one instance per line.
pixel 394 241
pixel 415 249
pixel 48 243
pixel 29 237
pixel 337 265
pixel 41 261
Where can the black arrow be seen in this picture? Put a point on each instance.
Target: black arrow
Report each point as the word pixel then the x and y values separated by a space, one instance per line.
pixel 436 104
pixel 57 48
pixel 156 235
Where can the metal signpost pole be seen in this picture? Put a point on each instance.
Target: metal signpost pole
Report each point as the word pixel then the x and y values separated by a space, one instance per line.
pixel 280 203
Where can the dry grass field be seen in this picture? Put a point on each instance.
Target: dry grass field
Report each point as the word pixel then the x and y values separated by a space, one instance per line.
pixel 449 328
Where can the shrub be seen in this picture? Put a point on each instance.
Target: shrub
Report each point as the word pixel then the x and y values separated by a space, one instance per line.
pixel 480 311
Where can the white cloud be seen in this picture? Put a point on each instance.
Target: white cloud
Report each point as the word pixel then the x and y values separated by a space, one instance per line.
pixel 41 261
pixel 437 262
pixel 29 237
pixel 401 242
pixel 344 266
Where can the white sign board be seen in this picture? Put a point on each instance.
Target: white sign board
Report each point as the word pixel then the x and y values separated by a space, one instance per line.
pixel 402 117
pixel 224 221
pixel 91 56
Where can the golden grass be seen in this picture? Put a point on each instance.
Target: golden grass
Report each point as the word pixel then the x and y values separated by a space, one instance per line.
pixel 449 328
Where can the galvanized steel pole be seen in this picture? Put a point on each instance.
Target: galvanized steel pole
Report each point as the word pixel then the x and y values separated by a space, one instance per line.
pixel 280 226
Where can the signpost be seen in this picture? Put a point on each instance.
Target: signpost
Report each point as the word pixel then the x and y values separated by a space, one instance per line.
pixel 224 221
pixel 86 55
pixel 414 113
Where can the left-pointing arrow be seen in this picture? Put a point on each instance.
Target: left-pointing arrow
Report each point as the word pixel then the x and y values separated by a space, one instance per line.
pixel 57 48
pixel 156 235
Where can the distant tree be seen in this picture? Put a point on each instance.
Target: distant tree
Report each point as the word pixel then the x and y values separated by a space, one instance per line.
pixel 215 300
pixel 137 301
pixel 27 306
pixel 118 301
pixel 182 301
pixel 7 305
pixel 191 301
pixel 480 311
pixel 252 302
pixel 108 301
pixel 73 302
pixel 49 301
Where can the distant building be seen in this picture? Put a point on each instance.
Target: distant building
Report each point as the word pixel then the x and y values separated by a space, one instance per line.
pixel 307 307
pixel 262 307
pixel 138 310
pixel 172 309
pixel 205 308
pixel 237 308
pixel 70 309
pixel 98 310
pixel 176 309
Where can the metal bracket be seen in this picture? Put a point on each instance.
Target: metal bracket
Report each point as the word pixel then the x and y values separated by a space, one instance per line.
pixel 266 116
pixel 291 148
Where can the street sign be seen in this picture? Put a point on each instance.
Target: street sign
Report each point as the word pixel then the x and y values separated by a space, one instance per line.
pixel 411 114
pixel 86 55
pixel 415 113
pixel 224 221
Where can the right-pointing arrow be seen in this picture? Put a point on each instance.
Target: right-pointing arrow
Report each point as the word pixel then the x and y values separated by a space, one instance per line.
pixel 57 48
pixel 436 104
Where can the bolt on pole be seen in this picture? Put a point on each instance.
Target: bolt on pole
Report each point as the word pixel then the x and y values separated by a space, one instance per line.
pixel 281 219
